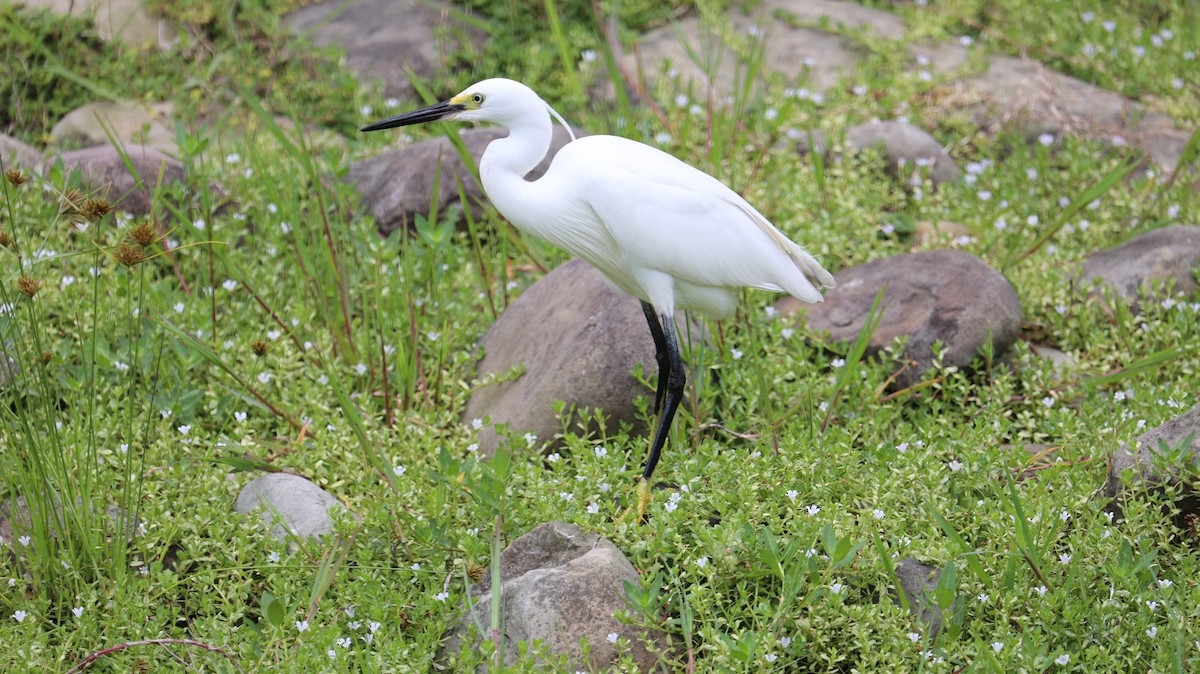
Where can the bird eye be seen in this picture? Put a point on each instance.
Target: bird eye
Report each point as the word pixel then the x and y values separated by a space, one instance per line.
pixel 477 99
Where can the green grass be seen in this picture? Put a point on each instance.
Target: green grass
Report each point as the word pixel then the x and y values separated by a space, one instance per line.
pixel 282 330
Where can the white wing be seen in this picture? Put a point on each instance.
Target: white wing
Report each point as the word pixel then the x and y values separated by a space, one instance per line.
pixel 665 216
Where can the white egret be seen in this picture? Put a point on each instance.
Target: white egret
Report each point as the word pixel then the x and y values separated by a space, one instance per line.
pixel 666 233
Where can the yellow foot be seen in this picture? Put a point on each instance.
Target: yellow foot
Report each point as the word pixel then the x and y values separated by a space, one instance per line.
pixel 641 505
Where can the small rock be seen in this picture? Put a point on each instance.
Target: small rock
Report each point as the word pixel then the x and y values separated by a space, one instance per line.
pixel 585 342
pixel 906 148
pixel 918 582
pixel 823 58
pixel 127 21
pixel 1062 361
pixel 559 584
pixel 18 155
pixel 130 123
pixel 1166 254
pixel 1141 460
pixel 105 173
pixel 941 295
pixel 397 186
pixel 385 39
pixel 306 508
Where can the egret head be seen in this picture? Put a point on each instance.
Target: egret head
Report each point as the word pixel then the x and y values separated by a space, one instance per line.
pixel 497 100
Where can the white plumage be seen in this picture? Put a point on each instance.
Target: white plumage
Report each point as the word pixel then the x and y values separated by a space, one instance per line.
pixel 658 229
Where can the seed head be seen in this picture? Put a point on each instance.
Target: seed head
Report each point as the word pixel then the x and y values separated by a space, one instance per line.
pixel 260 347
pixel 6 239
pixel 28 286
pixel 46 357
pixel 143 234
pixel 16 176
pixel 95 209
pixel 129 254
pixel 475 572
pixel 72 202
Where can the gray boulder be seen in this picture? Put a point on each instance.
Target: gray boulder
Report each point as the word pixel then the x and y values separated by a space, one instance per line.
pixel 105 173
pixel 578 341
pixel 18 155
pixel 1132 268
pixel 1143 462
pixel 130 123
pixel 305 508
pixel 906 148
pixel 385 39
pixel 559 584
pixel 398 185
pixel 941 295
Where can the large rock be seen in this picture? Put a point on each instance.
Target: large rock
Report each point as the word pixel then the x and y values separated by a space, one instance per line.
pixel 787 47
pixel 105 173
pixel 306 509
pixel 18 155
pixel 906 149
pixel 942 295
pixel 385 39
pixel 398 185
pixel 559 584
pixel 578 341
pixel 130 123
pixel 1147 466
pixel 1132 268
pixel 1028 95
pixel 131 22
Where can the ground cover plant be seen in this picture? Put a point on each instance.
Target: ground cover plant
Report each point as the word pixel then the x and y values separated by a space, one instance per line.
pixel 149 364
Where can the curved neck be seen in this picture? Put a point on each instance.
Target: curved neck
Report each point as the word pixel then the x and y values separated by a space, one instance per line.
pixel 516 154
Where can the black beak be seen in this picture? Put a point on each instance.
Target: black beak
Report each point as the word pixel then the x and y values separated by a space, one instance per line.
pixel 430 114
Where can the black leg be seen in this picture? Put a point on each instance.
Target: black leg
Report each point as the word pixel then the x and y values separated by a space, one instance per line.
pixel 660 355
pixel 675 378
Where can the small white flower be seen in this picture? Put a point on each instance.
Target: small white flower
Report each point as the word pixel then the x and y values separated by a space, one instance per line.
pixel 1064 516
pixel 399 470
pixel 264 377
pixel 1048 401
pixel 997 646
pixel 1164 583
pixel 19 615
pixel 877 514
pixel 239 416
pixel 185 429
pixel 78 611
pixel 662 138
pixel 1041 590
pixel 914 637
pixel 361 369
pixel 121 367
pixel 770 657
pixel 983 598
pixel 593 508
pixel 670 506
pixel 604 487
pixel 955 465
pixel 600 452
pixel 179 307
pixel 301 625
pixel 1152 632
pixel 737 354
pixel 566 495
pixel 442 596
pixel 612 637
pixel 373 626
pixel 1152 605
pixel 531 438
pixel 837 588
pixel 902 447
pixel 67 280
pixel 838 362
pixel 477 423
pixel 1046 139
pixel 273 557
pixel 331 653
pixel 786 333
pixel 344 642
pixel 416 566
pixel 813 510
pixel 589 55
pixel 473 447
pixel 792 494
pixel 285 227
pixel 199 224
pixel 702 562
pixel 1063 659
